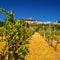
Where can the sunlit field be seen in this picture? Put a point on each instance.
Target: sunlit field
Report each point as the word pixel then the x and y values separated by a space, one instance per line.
pixel 24 40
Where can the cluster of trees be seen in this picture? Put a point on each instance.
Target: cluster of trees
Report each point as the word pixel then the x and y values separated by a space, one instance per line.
pixel 58 21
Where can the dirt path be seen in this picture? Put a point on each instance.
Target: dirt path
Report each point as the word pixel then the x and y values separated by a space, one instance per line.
pixel 39 49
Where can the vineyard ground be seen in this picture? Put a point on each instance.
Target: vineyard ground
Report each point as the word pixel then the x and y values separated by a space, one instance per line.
pixel 39 49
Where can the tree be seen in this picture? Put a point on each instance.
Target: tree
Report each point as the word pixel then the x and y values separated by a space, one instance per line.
pixel 58 21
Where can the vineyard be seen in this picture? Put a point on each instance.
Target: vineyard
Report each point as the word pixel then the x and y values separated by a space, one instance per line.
pixel 15 35
pixel 39 49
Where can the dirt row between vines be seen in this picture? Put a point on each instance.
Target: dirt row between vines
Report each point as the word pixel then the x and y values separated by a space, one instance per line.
pixel 39 49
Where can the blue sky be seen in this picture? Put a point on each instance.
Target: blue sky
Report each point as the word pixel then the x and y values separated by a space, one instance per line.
pixel 44 10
